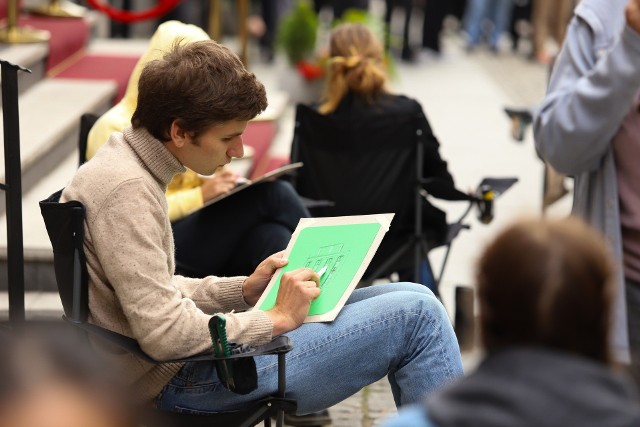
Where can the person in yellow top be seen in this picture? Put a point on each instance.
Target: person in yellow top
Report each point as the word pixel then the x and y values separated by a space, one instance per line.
pixel 256 222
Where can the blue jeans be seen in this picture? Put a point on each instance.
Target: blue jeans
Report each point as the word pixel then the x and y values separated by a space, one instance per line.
pixel 398 330
pixel 498 12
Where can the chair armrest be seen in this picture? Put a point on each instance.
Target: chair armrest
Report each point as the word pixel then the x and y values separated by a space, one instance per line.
pixel 453 230
pixel 441 189
pixel 125 343
pixel 279 345
pixel 312 203
pixel 498 185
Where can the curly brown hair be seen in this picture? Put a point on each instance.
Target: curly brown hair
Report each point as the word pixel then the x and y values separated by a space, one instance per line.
pixel 200 84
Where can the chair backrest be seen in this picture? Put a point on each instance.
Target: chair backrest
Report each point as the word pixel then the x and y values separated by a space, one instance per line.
pixel 87 120
pixel 363 165
pixel 366 164
pixel 65 226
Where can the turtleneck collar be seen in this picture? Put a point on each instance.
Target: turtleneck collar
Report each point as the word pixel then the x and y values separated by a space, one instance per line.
pixel 153 154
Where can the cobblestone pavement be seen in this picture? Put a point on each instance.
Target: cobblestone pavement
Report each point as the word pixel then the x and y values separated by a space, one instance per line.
pixel 374 404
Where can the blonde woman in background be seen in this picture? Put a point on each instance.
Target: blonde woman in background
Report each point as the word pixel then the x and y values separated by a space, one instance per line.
pixel 358 90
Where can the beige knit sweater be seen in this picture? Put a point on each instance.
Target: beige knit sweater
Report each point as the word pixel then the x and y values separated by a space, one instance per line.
pixel 130 257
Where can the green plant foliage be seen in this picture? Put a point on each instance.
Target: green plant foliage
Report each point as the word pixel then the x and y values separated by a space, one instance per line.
pixel 297 32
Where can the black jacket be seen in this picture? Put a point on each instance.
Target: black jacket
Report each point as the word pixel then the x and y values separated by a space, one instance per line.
pixel 527 387
pixel 361 114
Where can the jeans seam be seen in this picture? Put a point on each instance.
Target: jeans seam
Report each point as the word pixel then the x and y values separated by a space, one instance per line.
pixel 350 332
pixel 443 353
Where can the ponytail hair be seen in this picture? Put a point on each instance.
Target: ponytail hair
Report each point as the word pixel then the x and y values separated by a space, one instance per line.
pixel 357 66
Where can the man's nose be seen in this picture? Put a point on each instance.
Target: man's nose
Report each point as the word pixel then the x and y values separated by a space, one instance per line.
pixel 237 149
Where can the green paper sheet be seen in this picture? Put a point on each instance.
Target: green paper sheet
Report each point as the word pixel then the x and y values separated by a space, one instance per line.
pixel 343 248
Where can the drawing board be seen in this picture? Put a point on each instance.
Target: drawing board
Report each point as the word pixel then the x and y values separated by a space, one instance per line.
pixel 276 173
pixel 341 247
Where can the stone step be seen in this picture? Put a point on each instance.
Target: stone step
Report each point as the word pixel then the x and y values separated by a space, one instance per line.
pixel 38 306
pixel 49 125
pixel 31 56
pixel 38 255
pixel 49 121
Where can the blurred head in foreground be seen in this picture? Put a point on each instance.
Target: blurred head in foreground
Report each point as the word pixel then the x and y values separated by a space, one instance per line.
pixel 48 380
pixel 546 284
pixel 545 289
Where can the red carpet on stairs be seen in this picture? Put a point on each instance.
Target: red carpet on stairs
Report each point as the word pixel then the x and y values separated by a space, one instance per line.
pixel 102 67
pixel 68 36
pixel 259 135
pixel 270 163
pixel 67 57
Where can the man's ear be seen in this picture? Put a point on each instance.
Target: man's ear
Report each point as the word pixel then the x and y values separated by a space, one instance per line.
pixel 178 135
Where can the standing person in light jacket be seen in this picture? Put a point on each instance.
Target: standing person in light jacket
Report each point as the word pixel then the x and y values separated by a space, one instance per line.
pixel 588 127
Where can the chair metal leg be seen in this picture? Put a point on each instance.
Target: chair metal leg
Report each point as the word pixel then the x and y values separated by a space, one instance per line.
pixel 282 384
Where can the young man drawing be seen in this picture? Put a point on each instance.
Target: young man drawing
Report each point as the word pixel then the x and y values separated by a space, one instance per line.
pixel 193 106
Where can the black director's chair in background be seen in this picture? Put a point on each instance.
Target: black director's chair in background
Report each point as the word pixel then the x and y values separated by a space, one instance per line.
pixel 369 166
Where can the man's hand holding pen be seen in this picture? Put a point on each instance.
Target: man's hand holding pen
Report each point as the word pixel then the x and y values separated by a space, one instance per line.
pixel 298 288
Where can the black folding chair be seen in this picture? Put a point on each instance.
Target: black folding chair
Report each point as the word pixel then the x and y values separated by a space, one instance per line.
pixel 375 166
pixel 87 120
pixel 65 226
pixel 352 164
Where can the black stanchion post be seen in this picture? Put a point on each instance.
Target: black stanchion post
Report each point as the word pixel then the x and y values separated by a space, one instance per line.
pixel 464 320
pixel 13 189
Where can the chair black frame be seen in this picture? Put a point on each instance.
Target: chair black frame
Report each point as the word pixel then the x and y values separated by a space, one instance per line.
pixel 65 226
pixel 87 120
pixel 417 244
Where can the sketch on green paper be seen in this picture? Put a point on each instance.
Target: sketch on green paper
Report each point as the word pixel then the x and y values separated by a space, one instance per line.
pixel 344 245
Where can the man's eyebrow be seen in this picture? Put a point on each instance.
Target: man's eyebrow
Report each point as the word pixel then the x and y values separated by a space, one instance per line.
pixel 234 134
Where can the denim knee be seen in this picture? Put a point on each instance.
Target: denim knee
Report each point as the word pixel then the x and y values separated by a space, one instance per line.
pixel 415 287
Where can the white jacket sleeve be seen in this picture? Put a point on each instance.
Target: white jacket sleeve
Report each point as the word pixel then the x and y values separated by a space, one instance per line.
pixel 590 92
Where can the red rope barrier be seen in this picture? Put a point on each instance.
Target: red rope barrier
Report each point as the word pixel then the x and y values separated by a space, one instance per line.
pixel 163 7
